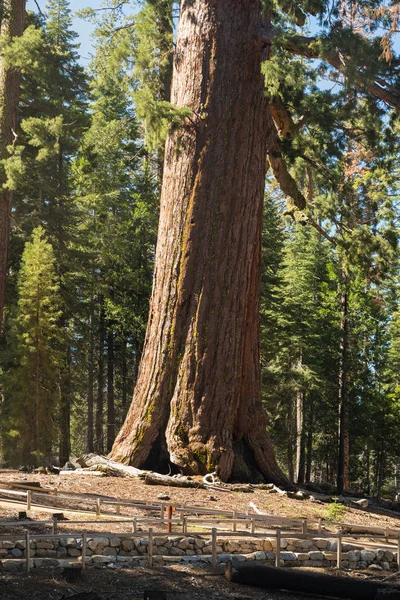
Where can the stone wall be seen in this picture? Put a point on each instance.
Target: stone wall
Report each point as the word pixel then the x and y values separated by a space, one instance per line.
pixel 114 552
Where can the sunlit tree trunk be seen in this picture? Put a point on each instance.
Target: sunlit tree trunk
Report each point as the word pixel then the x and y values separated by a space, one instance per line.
pixel 12 18
pixel 197 402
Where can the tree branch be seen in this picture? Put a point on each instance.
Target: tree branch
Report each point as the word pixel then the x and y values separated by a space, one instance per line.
pixel 306 46
pixel 279 167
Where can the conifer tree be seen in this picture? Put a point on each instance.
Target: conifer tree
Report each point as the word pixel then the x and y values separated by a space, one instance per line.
pixel 53 118
pixel 12 19
pixel 117 201
pixel 32 385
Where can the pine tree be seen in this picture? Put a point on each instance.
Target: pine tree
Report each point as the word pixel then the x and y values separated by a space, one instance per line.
pixel 117 201
pixel 32 383
pixel 12 19
pixel 53 118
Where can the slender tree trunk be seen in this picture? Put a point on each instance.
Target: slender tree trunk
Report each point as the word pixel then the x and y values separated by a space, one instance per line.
pixel 12 19
pixel 99 434
pixel 197 402
pixel 343 483
pixel 290 438
pixel 367 469
pixel 110 391
pixel 65 410
pixel 309 442
pixel 300 440
pixel 90 400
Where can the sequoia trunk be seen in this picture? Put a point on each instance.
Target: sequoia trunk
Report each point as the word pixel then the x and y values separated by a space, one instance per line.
pixel 197 402
pixel 12 18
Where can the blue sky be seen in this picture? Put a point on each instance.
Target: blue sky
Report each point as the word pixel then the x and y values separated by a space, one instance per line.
pixel 82 28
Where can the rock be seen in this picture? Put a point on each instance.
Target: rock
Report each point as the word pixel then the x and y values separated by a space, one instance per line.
pixel 259 555
pixel 364 503
pixel 375 568
pixel 12 565
pixel 110 551
pixel 69 466
pixel 163 497
pixel 177 552
pixel 16 553
pixel 50 562
pixel 322 544
pixel 44 545
pixel 100 559
pixel 224 557
pixel 115 542
pixel 302 556
pixel 185 543
pixel 287 556
pixel 367 556
pixel 353 555
pixel 7 544
pixel 127 545
pixel 213 498
pixel 386 566
pixel 316 555
pixel 74 552
pixel 160 541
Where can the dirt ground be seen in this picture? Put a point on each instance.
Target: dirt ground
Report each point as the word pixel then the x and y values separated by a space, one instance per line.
pixel 134 489
pixel 197 582
pixel 178 582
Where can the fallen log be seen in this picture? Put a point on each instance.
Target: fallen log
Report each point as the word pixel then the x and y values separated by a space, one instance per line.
pixel 151 478
pixel 95 460
pixel 309 583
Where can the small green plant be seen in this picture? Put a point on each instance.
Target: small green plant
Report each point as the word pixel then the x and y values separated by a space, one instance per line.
pixel 335 511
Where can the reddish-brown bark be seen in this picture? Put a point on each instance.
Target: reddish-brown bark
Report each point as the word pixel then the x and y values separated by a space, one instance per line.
pixel 197 402
pixel 12 18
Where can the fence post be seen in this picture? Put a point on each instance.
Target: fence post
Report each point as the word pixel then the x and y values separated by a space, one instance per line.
pixel 214 547
pixel 84 547
pixel 169 517
pixel 184 526
pixel 162 512
pixel 252 527
pixel 28 550
pixel 97 507
pixel 28 500
pixel 54 526
pixel 150 548
pixel 304 526
pixel 339 548
pixel 134 525
pixel 278 548
pixel 319 525
pixel 118 509
pixel 387 534
pixel 234 517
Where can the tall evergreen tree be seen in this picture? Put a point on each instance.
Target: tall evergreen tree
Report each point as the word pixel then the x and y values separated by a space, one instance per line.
pixel 12 19
pixel 32 385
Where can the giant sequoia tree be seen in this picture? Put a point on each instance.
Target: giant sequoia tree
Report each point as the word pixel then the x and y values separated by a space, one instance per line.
pixel 197 401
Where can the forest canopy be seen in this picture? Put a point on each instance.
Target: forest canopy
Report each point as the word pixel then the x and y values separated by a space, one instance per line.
pixel 273 161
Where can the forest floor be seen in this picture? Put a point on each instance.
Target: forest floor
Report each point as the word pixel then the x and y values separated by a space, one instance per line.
pixel 179 581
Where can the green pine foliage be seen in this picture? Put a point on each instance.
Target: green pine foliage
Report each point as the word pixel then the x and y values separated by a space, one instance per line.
pixel 32 381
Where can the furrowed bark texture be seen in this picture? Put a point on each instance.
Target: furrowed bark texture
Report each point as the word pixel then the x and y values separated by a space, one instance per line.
pixel 12 19
pixel 197 402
